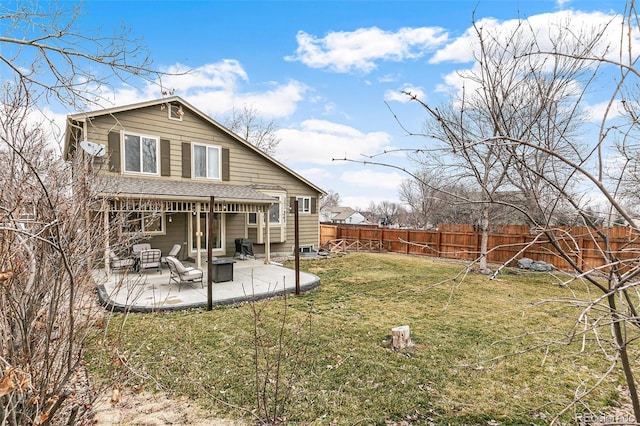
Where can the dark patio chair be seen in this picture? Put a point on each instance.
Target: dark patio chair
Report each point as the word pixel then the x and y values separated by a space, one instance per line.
pixel 183 275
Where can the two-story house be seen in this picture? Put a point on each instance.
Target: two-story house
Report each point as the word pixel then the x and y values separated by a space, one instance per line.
pixel 164 161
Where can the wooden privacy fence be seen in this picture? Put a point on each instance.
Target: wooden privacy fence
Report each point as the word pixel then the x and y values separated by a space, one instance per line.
pixel 507 243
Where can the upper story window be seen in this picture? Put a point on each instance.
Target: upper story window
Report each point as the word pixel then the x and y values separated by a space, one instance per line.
pixel 206 161
pixel 141 154
pixel 304 205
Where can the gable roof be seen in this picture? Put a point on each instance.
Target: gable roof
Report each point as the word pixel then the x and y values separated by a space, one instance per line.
pixel 342 213
pixel 84 116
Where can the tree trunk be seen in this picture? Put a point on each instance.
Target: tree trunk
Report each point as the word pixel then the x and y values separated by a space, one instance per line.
pixel 400 337
pixel 624 356
pixel 484 242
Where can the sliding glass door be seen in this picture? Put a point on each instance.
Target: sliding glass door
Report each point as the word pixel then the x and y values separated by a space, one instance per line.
pixel 204 224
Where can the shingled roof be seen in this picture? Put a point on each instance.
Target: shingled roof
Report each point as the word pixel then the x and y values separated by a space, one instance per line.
pixel 156 188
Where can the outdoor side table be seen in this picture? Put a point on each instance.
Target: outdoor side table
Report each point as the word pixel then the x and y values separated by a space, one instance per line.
pixel 222 270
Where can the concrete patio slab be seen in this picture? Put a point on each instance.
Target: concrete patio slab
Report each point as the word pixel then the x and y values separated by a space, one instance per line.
pixel 152 291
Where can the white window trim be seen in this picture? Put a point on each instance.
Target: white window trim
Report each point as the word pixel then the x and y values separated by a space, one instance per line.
pixel 282 197
pixel 301 205
pixel 163 224
pixel 193 160
pixel 179 112
pixel 123 150
pixel 249 222
pixel 223 236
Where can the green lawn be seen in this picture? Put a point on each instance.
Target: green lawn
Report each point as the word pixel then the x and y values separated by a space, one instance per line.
pixel 480 349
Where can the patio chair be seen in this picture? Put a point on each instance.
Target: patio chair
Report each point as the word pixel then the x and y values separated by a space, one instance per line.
pixel 117 263
pixel 150 259
pixel 173 253
pixel 183 275
pixel 137 248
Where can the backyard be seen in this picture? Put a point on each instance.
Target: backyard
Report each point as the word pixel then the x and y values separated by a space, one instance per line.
pixel 482 349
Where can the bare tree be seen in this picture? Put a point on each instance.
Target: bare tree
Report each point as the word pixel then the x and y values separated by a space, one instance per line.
pixel 463 157
pixel 530 100
pixel 46 288
pixel 434 200
pixel 515 127
pixel 328 202
pixel 386 213
pixel 47 238
pixel 45 50
pixel 248 124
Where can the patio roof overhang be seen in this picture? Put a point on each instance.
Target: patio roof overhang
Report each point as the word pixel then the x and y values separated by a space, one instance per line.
pixel 135 194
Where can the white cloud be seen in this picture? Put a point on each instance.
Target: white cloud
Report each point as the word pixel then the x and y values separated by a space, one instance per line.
pixel 399 96
pixel 562 3
pixel 216 89
pixel 362 202
pixel 388 78
pixel 368 178
pixel 315 174
pixel 544 27
pixel 220 75
pixel 572 28
pixel 595 113
pixel 278 102
pixel 359 50
pixel 319 141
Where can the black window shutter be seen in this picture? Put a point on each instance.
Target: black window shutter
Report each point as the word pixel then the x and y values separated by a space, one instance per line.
pixel 292 204
pixel 114 151
pixel 314 207
pixel 186 160
pixel 165 157
pixel 225 164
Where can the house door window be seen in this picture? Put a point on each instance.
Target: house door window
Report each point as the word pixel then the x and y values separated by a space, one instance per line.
pixel 204 223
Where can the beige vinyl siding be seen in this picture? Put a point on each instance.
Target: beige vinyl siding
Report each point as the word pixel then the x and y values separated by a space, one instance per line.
pixel 176 233
pixel 309 230
pixel 235 228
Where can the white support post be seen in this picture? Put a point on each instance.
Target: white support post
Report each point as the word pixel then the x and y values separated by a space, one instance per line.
pixel 198 235
pixel 105 222
pixel 267 245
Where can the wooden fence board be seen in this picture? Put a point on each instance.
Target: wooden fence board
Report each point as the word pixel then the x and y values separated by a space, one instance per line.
pixel 506 242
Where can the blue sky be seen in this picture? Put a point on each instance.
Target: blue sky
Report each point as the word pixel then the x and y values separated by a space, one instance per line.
pixel 322 70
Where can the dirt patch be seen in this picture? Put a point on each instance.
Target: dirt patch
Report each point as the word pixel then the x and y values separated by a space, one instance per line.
pixel 151 409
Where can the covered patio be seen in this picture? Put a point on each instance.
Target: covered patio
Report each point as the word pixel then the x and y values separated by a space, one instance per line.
pixel 152 291
pixel 164 213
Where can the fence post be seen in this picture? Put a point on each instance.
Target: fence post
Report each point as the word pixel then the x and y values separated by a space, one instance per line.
pixel 581 252
pixel 406 245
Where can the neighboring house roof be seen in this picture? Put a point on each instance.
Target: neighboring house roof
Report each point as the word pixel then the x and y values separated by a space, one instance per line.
pixel 342 213
pixel 84 116
pixel 162 187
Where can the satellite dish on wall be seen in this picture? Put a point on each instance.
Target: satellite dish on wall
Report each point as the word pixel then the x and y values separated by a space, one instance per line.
pixel 93 149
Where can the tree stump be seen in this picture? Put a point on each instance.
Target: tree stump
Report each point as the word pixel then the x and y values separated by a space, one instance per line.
pixel 400 337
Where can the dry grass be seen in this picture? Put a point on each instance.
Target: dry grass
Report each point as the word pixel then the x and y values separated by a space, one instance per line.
pixel 480 354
